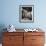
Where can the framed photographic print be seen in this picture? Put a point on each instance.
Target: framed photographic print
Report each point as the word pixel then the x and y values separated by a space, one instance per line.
pixel 26 13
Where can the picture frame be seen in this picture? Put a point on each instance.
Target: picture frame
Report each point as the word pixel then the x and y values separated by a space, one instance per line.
pixel 26 13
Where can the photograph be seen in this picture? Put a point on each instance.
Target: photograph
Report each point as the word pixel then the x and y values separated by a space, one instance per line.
pixel 26 13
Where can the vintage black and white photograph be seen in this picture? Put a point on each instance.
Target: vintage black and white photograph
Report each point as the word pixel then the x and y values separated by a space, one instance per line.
pixel 26 13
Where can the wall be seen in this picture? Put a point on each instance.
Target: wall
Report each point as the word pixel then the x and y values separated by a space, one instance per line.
pixel 10 13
